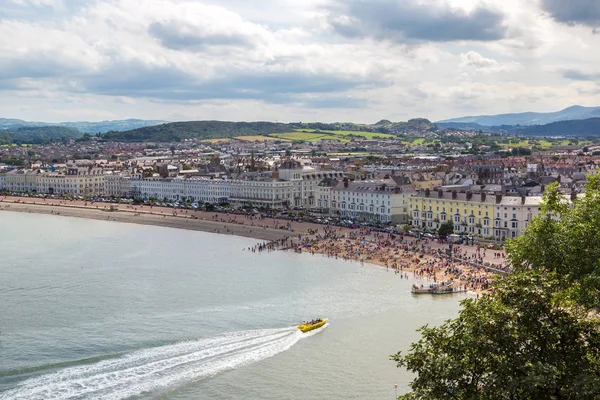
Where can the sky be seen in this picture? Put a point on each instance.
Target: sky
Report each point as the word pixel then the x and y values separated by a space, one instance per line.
pixel 295 60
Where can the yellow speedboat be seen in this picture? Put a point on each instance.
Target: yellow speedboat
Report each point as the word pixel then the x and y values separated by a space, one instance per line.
pixel 309 326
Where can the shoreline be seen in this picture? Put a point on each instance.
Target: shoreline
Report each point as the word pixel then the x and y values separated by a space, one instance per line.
pixel 146 218
pixel 412 263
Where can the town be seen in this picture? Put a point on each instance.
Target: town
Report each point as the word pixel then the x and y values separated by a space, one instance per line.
pixel 418 185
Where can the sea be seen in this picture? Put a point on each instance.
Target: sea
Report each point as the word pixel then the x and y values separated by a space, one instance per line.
pixel 105 310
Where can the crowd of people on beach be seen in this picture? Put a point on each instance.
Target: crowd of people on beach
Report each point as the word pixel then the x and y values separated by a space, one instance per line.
pixel 428 259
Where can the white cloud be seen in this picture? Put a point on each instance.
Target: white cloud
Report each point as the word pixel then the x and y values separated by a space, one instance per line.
pixel 280 60
pixel 474 61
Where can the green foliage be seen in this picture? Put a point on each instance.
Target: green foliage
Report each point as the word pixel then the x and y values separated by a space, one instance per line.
pixel 5 139
pixel 568 246
pixel 17 162
pixel 537 335
pixel 42 134
pixel 522 342
pixel 520 151
pixel 447 228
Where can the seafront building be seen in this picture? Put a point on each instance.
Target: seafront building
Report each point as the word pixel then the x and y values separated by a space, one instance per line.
pixel 20 181
pixel 514 214
pixel 493 217
pixel 475 199
pixel 470 213
pixel 74 180
pixel 371 201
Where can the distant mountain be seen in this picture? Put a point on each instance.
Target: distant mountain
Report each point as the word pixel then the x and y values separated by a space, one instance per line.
pixel 106 126
pixel 464 126
pixel 586 127
pixel 529 118
pixel 9 123
pixel 83 126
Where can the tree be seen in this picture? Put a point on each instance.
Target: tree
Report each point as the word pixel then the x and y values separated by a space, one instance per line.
pixel 521 151
pixel 565 241
pixel 447 228
pixel 514 344
pixel 537 335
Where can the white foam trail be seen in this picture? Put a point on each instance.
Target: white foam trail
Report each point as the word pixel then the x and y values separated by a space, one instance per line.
pixel 157 368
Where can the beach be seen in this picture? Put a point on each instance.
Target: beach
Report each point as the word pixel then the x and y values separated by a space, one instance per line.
pixel 422 260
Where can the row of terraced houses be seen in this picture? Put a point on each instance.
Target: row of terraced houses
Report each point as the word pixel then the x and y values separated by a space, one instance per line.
pixel 490 216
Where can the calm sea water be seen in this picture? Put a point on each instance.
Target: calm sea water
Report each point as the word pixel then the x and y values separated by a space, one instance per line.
pixel 105 310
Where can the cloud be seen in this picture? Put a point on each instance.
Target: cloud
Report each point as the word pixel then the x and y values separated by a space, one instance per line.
pixel 196 26
pixel 412 21
pixel 24 3
pixel 574 12
pixel 478 63
pixel 58 54
pixel 309 60
pixel 269 86
pixel 578 75
pixel 176 36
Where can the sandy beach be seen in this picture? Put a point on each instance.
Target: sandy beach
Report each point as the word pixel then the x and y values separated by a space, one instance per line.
pixel 421 260
pixel 158 216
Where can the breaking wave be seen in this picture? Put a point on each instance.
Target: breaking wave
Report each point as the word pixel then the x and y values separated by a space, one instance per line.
pixel 153 369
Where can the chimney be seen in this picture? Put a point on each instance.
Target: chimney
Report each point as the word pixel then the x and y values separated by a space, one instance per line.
pixel 427 192
pixel 543 188
pixel 522 199
pixel 345 182
pixel 469 195
pixel 498 198
pixel 275 174
pixel 440 193
pixel 573 195
pixel 483 197
pixel 454 194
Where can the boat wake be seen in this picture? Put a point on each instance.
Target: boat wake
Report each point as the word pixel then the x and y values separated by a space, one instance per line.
pixel 157 368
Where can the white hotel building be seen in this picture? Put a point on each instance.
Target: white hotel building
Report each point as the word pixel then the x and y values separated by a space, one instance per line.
pixel 253 190
pixel 73 180
pixel 372 201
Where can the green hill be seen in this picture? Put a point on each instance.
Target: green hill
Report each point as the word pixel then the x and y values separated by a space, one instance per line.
pixel 177 131
pixel 41 134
